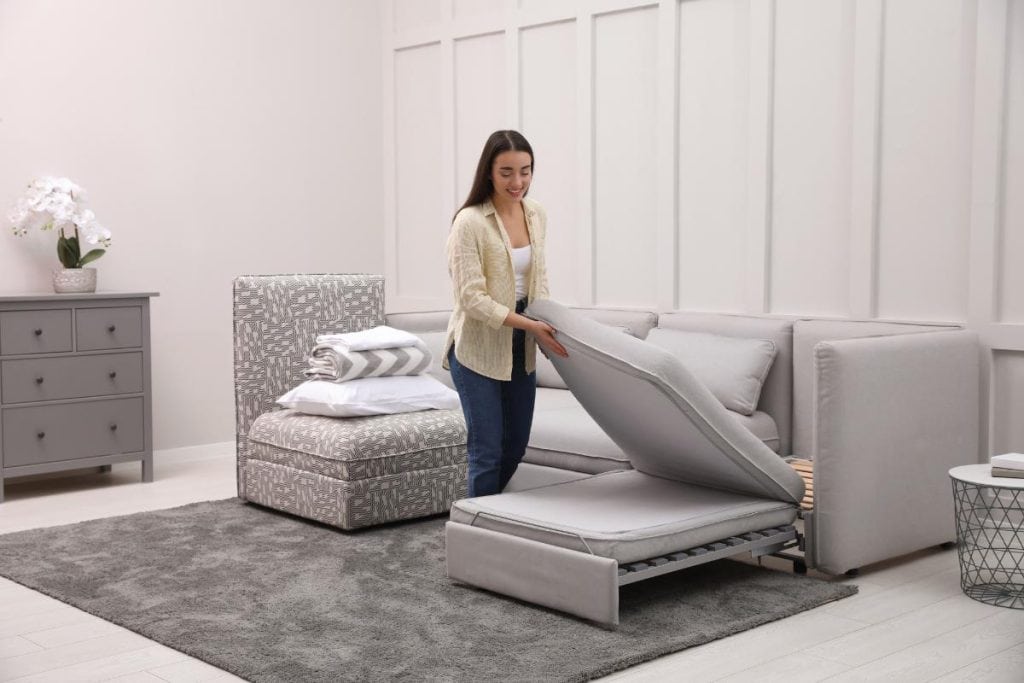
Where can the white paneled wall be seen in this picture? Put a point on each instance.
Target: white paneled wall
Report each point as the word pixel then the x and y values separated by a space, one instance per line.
pixel 479 102
pixel 624 159
pixel 811 165
pixel 714 44
pixel 548 114
pixel 1011 263
pixel 851 158
pixel 420 167
pixel 925 183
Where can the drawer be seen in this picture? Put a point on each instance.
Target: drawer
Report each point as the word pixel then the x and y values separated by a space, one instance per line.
pixel 35 331
pixel 108 328
pixel 46 379
pixel 41 434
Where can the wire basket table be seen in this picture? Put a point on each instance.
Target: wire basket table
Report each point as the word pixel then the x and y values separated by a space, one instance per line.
pixel 990 535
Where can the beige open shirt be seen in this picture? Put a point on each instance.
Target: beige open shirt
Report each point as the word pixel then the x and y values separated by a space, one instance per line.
pixel 484 285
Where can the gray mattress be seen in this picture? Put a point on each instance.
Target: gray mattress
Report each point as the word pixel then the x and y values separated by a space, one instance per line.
pixel 627 516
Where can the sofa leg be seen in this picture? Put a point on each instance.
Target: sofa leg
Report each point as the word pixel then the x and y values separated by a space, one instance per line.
pixel 799 566
pixel 852 572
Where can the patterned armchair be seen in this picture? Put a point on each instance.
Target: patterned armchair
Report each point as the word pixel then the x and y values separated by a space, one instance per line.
pixel 276 320
pixel 351 472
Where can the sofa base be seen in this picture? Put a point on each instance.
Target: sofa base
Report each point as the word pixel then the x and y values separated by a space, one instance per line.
pixel 353 504
pixel 575 582
pixel 569 581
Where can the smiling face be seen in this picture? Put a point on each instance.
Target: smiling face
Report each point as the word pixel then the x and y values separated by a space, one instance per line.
pixel 511 174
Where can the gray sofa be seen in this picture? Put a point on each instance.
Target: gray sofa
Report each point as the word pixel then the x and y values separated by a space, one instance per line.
pixel 882 409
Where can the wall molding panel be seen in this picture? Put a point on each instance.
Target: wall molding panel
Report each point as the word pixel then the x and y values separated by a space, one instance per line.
pixel 847 158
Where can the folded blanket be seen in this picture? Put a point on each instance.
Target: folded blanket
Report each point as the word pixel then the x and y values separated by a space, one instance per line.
pixel 336 362
pixel 380 337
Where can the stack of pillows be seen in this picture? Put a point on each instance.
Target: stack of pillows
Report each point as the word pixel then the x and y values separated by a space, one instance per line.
pixel 379 371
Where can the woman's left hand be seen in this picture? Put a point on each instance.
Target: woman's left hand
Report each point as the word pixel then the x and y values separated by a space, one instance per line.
pixel 545 336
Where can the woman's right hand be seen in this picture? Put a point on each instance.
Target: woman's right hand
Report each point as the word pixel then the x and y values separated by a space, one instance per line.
pixel 545 336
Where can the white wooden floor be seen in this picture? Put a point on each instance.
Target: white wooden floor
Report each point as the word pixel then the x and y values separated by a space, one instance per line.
pixel 910 621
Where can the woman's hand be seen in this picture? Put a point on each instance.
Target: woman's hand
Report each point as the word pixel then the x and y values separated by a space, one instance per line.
pixel 545 336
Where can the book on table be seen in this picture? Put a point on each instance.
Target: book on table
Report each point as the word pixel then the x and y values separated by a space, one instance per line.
pixel 1007 472
pixel 1009 461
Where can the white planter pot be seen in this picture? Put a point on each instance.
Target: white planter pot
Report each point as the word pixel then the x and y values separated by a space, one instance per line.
pixel 74 280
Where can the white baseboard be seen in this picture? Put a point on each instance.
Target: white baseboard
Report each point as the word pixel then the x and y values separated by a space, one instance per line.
pixel 220 449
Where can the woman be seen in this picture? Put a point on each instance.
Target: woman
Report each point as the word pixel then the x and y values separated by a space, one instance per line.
pixel 496 262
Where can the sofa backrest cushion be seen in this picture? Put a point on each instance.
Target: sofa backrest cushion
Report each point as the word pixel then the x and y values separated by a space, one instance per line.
pixel 806 335
pixel 660 415
pixel 733 368
pixel 637 323
pixel 777 391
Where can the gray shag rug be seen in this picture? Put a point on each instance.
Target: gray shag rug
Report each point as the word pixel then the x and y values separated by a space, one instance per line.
pixel 270 597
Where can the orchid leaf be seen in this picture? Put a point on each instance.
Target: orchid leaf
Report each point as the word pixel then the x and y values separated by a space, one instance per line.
pixel 68 258
pixel 91 256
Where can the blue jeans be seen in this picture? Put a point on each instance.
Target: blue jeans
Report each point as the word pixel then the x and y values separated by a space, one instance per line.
pixel 499 415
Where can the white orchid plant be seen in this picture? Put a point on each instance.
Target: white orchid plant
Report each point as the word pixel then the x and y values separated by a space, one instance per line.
pixel 57 204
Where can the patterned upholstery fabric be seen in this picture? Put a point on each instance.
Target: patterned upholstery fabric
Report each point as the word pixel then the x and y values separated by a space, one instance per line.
pixel 349 473
pixel 360 447
pixel 354 504
pixel 276 321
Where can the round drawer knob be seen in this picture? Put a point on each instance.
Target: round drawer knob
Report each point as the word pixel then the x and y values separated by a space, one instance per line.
pixel 113 427
pixel 39 380
pixel 111 328
pixel 40 435
pixel 113 374
pixel 38 332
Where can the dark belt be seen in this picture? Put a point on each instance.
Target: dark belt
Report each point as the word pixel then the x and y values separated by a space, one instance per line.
pixel 521 305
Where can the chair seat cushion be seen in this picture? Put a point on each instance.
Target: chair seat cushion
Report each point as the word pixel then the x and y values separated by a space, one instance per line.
pixel 360 447
pixel 627 516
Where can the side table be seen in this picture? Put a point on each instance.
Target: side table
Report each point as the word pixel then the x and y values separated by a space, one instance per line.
pixel 990 535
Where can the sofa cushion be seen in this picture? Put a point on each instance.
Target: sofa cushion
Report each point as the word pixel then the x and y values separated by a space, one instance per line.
pixel 569 439
pixel 639 323
pixel 777 391
pixel 762 426
pixel 733 368
pixel 660 415
pixel 627 516
pixel 566 437
pixel 529 476
pixel 360 447
pixel 806 335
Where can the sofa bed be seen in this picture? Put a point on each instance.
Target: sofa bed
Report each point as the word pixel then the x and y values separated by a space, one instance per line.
pixel 882 410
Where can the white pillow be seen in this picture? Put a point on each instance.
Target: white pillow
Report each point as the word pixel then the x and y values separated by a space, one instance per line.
pixel 733 368
pixel 370 396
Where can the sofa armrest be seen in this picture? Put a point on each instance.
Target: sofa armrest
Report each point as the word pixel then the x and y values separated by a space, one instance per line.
pixel 891 415
pixel 276 320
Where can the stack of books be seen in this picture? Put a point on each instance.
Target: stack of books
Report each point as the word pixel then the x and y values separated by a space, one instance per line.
pixel 1008 465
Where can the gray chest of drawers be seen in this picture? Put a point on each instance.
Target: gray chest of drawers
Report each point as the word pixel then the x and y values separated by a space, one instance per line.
pixel 74 382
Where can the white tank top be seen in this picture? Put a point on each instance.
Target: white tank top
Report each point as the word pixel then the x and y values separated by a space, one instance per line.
pixel 521 259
